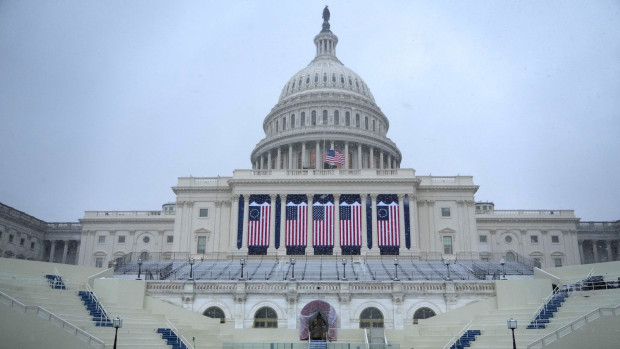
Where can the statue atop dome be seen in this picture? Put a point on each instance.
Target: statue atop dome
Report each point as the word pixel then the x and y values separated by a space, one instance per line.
pixel 326 19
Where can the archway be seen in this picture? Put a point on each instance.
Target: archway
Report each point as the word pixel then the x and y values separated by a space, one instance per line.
pixel 318 320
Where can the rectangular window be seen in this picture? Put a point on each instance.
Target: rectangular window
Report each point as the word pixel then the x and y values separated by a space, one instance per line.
pixel 202 244
pixel 102 239
pixel 483 239
pixel 447 244
pixel 169 239
pixel 121 239
pixel 204 212
pixel 99 262
pixel 445 211
pixel 22 241
pixel 32 245
pixel 557 262
pixel 11 238
pixel 555 239
pixel 537 260
pixel 534 239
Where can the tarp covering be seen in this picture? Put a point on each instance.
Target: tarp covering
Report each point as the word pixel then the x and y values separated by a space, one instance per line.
pixel 310 312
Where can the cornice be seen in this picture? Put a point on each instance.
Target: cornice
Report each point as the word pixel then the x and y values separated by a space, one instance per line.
pixel 226 190
pixel 115 220
pixel 524 218
pixel 412 181
pixel 473 188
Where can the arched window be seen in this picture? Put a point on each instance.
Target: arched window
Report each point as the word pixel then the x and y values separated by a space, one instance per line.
pixel 366 122
pixel 357 120
pixel 324 77
pixel 336 117
pixel 265 318
pixel 215 313
pixel 302 122
pixel 316 77
pixel 333 77
pixel 299 84
pixel 292 120
pixel 510 257
pixel 277 126
pixel 422 313
pixel 308 80
pixel 324 117
pixel 145 256
pixel 374 129
pixel 371 317
pixel 347 119
pixel 283 123
pixel 313 117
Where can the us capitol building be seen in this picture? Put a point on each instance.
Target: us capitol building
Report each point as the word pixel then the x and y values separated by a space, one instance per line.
pixel 325 183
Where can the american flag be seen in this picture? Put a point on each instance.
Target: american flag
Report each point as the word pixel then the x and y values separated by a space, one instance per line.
pixel 350 224
pixel 296 224
pixel 323 224
pixel 259 222
pixel 334 156
pixel 388 224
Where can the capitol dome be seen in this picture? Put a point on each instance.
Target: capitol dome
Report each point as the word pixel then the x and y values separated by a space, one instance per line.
pixel 325 108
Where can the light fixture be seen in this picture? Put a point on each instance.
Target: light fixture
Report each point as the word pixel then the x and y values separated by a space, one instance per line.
pixel 446 261
pixel 344 269
pixel 503 262
pixel 191 269
pixel 395 269
pixel 139 268
pixel 117 323
pixel 512 325
pixel 293 264
pixel 242 262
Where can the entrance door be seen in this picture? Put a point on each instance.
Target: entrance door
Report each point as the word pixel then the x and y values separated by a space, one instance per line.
pixel 318 329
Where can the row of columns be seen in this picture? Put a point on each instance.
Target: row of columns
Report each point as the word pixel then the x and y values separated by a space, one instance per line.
pixel 264 161
pixel 593 250
pixel 65 250
pixel 413 215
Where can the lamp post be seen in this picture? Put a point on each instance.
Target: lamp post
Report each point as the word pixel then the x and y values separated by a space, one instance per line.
pixel 503 262
pixel 344 269
pixel 446 261
pixel 512 325
pixel 395 269
pixel 242 262
pixel 293 264
pixel 139 268
pixel 191 269
pixel 116 323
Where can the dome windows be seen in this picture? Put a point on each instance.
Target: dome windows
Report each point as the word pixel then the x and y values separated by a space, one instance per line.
pixel 302 122
pixel 307 80
pixel 342 79
pixel 347 119
pixel 350 82
pixel 316 78
pixel 366 123
pixel 324 117
pixel 284 123
pixel 300 80
pixel 293 121
pixel 314 118
pixel 333 77
pixel 357 120
pixel 356 84
pixel 336 117
pixel 324 77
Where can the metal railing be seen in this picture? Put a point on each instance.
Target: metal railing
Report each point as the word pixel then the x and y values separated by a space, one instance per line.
pixel 53 318
pixel 458 335
pixel 180 337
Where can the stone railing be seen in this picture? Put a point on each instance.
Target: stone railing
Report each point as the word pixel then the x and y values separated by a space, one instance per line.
pixel 284 287
pixel 125 214
pixel 529 213
pixel 367 173
pixel 446 180
pixel 64 226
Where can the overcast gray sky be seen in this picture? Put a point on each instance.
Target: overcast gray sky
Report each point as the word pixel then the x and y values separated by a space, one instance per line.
pixel 103 104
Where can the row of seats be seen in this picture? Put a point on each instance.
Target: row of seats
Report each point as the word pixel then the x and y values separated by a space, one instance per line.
pixel 171 338
pixel 546 312
pixel 55 282
pixel 95 310
pixel 465 340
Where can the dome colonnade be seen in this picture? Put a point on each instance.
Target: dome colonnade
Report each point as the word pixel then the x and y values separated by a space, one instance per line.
pixel 325 106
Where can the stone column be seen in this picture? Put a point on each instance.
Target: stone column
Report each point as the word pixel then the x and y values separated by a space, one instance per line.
pixel 381 160
pixel 363 200
pixel 234 216
pixel 413 223
pixel 64 251
pixel 346 155
pixel 279 159
pixel 269 160
pixel 595 249
pixel 359 156
pixel 290 156
pixel 389 161
pixel 244 236
pixel 582 257
pixel 401 219
pixel 309 230
pixel 53 250
pixel 303 154
pixel 372 158
pixel 272 222
pixel 336 221
pixel 375 239
pixel 317 157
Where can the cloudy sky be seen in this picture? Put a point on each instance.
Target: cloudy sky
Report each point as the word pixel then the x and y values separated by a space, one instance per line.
pixel 103 104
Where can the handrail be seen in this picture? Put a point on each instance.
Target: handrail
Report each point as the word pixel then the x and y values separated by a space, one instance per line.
pixel 544 303
pixel 92 294
pixel 460 333
pixel 366 338
pixel 582 321
pixel 178 333
pixel 62 323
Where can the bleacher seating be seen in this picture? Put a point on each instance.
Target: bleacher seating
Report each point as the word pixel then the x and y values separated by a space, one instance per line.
pixel 55 282
pixel 95 310
pixel 465 340
pixel 546 312
pixel 171 338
